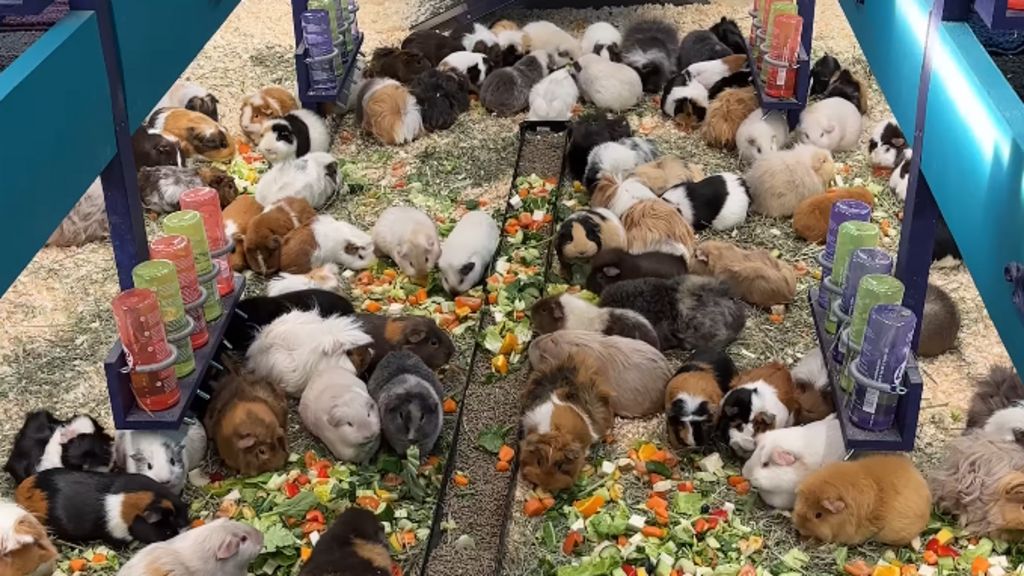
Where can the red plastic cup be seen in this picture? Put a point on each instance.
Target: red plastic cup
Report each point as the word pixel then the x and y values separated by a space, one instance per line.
pixel 178 250
pixel 206 201
pixel 149 357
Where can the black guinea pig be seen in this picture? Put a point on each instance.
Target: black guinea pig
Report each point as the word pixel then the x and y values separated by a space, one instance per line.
pixel 152 148
pixel 431 44
pixel 822 73
pixel 252 314
pixel 589 131
pixel 728 32
pixel 848 87
pixel 616 265
pixel 401 65
pixel 45 441
pixel 353 546
pixel 442 96
pixel 417 334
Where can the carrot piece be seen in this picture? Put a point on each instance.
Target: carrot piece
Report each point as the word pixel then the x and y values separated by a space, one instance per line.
pixel 776 318
pixel 243 148
pixel 396 570
pixel 653 531
pixel 622 540
pixel 364 277
pixel 197 523
pixel 372 307
pixel 572 540
pixel 743 489
pixel 548 218
pixel 78 565
pixel 460 480
pixel 506 453
pixel 525 220
pixel 473 304
pixel 408 538
pixel 502 466
pixel 512 228
pixel 509 278
pixel 368 502
pixel 980 566
pixel 390 274
pixel 421 295
pixel 659 456
pixel 857 568
pixel 492 298
pixel 99 559
pixel 411 300
pixel 930 558
pixel 305 552
pixel 735 481
pixel 519 315
pixel 655 478
pixel 747 570
pixel 450 406
pixel 534 507
pixel 908 570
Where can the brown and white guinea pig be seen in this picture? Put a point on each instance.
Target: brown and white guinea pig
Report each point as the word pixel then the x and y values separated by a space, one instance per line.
pixel 632 371
pixel 294 135
pixel 719 201
pixel 780 181
pixel 409 237
pixel 650 47
pixel 886 144
pixel 559 45
pixel 473 65
pixel 154 148
pixel 693 397
pixel 685 101
pixel 190 96
pixel 268 103
pixel 431 44
pixel 161 186
pixel 326 240
pixel 197 134
pixel 758 400
pixel 25 549
pixel 237 216
pixel 613 265
pixel 565 411
pixel 354 545
pixel 878 498
pixel 814 393
pixel 45 441
pixel 981 482
pixel 848 87
pixel 81 506
pixel 388 111
pixel 504 26
pixel 810 220
pixel 755 276
pixel 442 96
pixel 570 312
pixel 619 194
pixel 725 114
pixel 247 419
pixel 397 64
pixel 219 548
pixel 416 334
pixel 506 91
pixel 666 172
pixel 585 233
pixel 656 226
pixel 265 233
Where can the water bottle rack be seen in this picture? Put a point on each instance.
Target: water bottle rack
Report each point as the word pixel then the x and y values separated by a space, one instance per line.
pixel 309 96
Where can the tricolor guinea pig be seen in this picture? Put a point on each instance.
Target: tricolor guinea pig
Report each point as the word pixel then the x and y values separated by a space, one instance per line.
pixel 700 46
pixel 711 72
pixel 657 226
pixel 154 148
pixel 269 103
pixel 603 39
pixel 401 65
pixel 758 400
pixel 570 312
pixel 247 419
pixel 354 545
pixel 755 276
pixel 25 549
pixel 779 181
pixel 479 38
pixel 613 265
pixel 324 278
pixel 161 187
pixel 811 218
pixel 685 101
pixel 560 46
pixel 409 396
pixel 619 194
pixel 693 396
pixel 719 201
pixel 666 172
pixel 467 251
pixel 417 334
pixel 388 111
pixel 294 135
pixel 46 442
pixel 650 47
pixel 196 133
pixel 886 144
pixel 237 216
pixel 326 240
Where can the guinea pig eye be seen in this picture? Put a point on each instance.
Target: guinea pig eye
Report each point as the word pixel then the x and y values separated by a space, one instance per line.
pixel 349 424
pixel 262 451
pixel 244 539
pixel 758 149
pixel 765 465
pixel 150 465
pixel 817 515
pixel 434 342
pixel 172 461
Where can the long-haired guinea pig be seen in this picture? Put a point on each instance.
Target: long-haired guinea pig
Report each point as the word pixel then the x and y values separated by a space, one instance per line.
pixel 401 65
pixel 619 194
pixel 565 411
pixel 725 114
pixel 265 233
pixel 196 133
pixel 320 278
pixel 657 226
pixel 154 148
pixel 606 84
pixel 247 419
pixel 613 265
pixel 554 97
pixel 415 334
pixel 506 91
pixel 886 144
pixel 268 103
pixel 478 38
pixel 354 545
pixel 337 408
pixel 833 124
pixel 650 47
pixel 981 482
pixel 25 549
pixel 693 396
pixel 161 186
pixel 326 240
pixel 758 400
pixel 433 45
pixel 666 172
pixel 616 159
pixel 467 251
pixel 810 220
pixel 780 181
pixel 761 133
pixel 314 177
pixel 190 96
pixel 998 395
pixel 570 312
pixel 442 96
pixel 560 46
pixel 700 46
pixel 237 216
pixel 589 131
pixel 755 276
pixel 409 396
pixel 220 548
pixel 81 506
pixel 880 498
pixel 512 45
pixel 389 111
pixel 474 66
pixel 156 454
pixel 685 101
pixel 409 237
pixel 603 39
pixel 824 69
pixel 729 33
pixel 87 221
pixel 46 442
pixel 848 87
pixel 294 135
pixel 253 314
pixel 719 201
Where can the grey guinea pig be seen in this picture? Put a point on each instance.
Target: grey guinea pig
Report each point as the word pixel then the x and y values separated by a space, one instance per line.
pixel 700 46
pixel 409 396
pixel 161 186
pixel 687 312
pixel 417 334
pixel 154 148
pixel 941 323
pixel 507 91
pixel 615 265
pixel 221 548
pixel 570 312
pixel 585 233
pixel 650 48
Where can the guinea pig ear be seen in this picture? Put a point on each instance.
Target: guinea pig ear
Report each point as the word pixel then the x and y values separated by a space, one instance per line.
pixel 611 271
pixel 1018 436
pixel 228 547
pixel 274 243
pixel 572 452
pixel 416 335
pixel 829 128
pixel 336 416
pixel 782 457
pixel 1014 490
pixel 246 441
pixel 899 142
pixel 834 505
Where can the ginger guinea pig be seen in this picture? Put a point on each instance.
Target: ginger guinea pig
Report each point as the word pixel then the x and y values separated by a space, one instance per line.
pixel 810 220
pixel 666 172
pixel 266 232
pixel 247 418
pixel 755 276
pixel 725 114
pixel 268 103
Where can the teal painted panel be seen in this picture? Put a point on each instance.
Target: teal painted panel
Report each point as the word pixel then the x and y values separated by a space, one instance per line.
pixel 55 109
pixel 974 161
pixel 158 39
pixel 891 34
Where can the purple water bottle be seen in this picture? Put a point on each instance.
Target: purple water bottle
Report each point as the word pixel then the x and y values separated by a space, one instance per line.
pixel 863 261
pixel 878 371
pixel 316 34
pixel 842 211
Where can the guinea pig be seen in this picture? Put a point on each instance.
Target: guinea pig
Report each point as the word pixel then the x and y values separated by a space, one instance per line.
pixel 512 44
pixel 945 252
pixel 619 194
pixel 268 103
pixel 886 144
pixel 254 313
pixel 442 96
pixel 728 32
pixel 700 46
pixel 779 181
pixel 294 135
pixel 409 396
pixel 999 390
pixel 388 111
pixel 480 39
pixel 755 276
pixel 719 201
pixel 321 278
pixel 560 46
pixel 686 311
pixel 784 457
pixel 220 548
pixel 711 72
pixel 190 96
pixel 565 411
pixel 196 133
pixel 314 177
pixel 811 218
pixel 848 87
pixel 814 392
pixel 685 101
pixel 693 396
pixel 603 39
pixel 725 114
pixel 159 455
pixel 415 334
pixel 336 408
pixel 154 148
pixel 25 549
pixel 237 216
pixel 554 97
pixel 247 418
pixel 354 545
pixel 617 159
pixel 506 91
pixel 467 251
pixel 761 133
pixel 87 221
pixel 265 233
pixel 824 69
pixel 409 237
pixel 570 312
pixel 880 498
pixel 657 226
pixel 295 346
pixel 613 265
pixel 900 177
pixel 585 233
pixel 473 65
pixel 340 243
pixel 504 26
pixel 79 506
pixel 589 131
pixel 433 45
pixel 161 186
pixel 665 172
pixel 833 124
pixel 650 47
pixel 44 441
pixel 606 84
pixel 401 65
pixel 758 400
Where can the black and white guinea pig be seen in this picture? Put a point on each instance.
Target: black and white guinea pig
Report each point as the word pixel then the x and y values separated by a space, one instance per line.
pixel 613 265
pixel 431 44
pixel 44 442
pixel 354 545
pixel 585 233
pixel 165 456
pixel 570 312
pixel 618 159
pixel 719 201
pixel 848 87
pixel 650 48
pixel 401 65
pixel 442 96
pixel 252 314
pixel 603 39
pixel 512 47
pixel 409 396
pixel 900 176
pixel 711 72
pixel 945 251
pixel 685 101
pixel 693 396
pixel 295 134
pixel 886 144
pixel 117 509
pixel 822 73
pixel 473 65
pixel 191 96
pixel 588 132
pixel 479 39
pixel 154 148
pixel 728 32
pixel 700 46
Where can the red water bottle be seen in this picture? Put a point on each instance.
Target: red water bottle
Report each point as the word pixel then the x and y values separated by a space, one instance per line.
pixel 149 357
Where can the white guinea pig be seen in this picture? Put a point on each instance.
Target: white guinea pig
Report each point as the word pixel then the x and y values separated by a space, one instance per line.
pixel 760 134
pixel 341 243
pixel 467 252
pixel 833 124
pixel 314 177
pixel 165 457
pixel 784 457
pixel 221 548
pixel 337 409
pixel 409 237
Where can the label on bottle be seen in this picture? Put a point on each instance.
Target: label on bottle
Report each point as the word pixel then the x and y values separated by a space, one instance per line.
pixel 870 400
